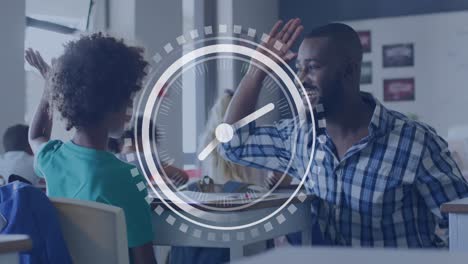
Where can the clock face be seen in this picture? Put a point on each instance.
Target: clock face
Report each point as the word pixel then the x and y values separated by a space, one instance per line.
pixel 182 128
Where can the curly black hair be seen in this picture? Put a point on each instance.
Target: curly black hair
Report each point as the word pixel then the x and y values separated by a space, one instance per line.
pixel 96 75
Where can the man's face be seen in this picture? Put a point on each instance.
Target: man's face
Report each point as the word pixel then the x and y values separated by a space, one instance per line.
pixel 320 71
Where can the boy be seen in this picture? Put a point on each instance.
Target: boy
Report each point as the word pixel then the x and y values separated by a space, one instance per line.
pixel 17 159
pixel 91 85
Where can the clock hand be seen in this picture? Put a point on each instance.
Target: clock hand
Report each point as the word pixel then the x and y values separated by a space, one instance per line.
pixel 224 132
pixel 207 150
pixel 254 116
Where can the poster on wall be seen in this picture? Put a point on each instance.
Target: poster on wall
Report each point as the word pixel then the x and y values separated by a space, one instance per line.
pixel 365 37
pixel 396 90
pixel 366 72
pixel 398 55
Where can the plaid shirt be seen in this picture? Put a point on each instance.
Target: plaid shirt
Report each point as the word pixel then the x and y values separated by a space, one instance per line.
pixel 387 189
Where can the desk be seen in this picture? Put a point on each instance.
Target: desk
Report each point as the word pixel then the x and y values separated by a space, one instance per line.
pixel 299 221
pixel 11 245
pixel 458 224
pixel 342 255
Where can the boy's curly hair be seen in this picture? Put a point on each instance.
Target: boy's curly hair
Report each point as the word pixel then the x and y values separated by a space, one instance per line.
pixel 96 75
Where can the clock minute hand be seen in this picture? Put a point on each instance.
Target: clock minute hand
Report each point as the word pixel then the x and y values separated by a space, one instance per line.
pixel 254 116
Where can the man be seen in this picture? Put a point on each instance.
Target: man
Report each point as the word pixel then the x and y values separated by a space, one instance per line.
pixel 380 177
pixel 17 159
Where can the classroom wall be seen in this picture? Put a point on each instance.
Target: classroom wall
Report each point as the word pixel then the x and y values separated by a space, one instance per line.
pixel 314 13
pixel 441 64
pixel 156 24
pixel 12 98
pixel 122 18
pixel 401 20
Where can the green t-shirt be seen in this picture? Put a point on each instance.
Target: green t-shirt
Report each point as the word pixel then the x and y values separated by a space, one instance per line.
pixel 77 172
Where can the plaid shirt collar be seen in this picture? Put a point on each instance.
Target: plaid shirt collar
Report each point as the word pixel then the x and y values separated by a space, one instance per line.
pixel 380 125
pixel 381 120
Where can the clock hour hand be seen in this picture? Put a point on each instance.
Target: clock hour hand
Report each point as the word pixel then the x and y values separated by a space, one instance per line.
pixel 207 150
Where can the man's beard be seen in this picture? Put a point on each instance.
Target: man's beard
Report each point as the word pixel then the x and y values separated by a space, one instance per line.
pixel 329 95
pixel 332 94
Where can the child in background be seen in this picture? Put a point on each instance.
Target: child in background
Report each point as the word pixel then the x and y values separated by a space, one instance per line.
pixel 18 157
pixel 91 86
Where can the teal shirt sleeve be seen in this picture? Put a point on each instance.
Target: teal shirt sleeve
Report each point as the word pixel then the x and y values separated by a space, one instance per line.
pixel 44 155
pixel 125 194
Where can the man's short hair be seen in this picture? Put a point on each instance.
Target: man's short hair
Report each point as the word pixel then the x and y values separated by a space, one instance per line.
pixel 15 138
pixel 343 36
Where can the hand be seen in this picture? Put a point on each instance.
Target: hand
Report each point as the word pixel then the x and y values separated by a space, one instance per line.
pixel 35 59
pixel 287 36
pixel 274 177
pixel 41 124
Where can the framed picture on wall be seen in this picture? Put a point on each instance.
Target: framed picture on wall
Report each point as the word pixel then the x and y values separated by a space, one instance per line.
pixel 398 55
pixel 366 41
pixel 397 90
pixel 366 72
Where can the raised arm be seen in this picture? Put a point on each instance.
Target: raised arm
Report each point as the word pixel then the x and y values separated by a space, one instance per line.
pixel 246 96
pixel 41 124
pixel 264 147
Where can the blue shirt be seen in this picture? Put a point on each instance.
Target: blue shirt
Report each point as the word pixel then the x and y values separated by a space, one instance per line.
pixel 28 211
pixel 386 190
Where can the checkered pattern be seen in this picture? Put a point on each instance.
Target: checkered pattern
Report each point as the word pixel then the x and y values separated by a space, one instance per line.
pixel 387 189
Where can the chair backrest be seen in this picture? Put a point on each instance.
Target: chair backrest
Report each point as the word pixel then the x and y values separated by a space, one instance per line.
pixel 94 232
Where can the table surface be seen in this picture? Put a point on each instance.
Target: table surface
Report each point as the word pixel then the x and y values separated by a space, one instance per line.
pixel 14 243
pixel 357 255
pixel 458 206
pixel 275 200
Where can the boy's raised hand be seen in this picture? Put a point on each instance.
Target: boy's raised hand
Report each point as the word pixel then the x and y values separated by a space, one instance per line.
pixel 34 58
pixel 41 123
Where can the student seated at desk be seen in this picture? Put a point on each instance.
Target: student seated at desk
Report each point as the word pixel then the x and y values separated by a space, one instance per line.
pixel 18 157
pixel 91 85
